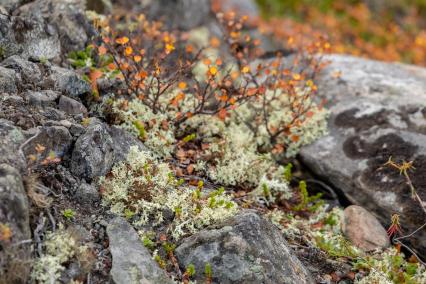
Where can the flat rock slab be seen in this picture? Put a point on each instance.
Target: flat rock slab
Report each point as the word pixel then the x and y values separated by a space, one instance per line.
pixel 131 261
pixel 244 249
pixel 378 111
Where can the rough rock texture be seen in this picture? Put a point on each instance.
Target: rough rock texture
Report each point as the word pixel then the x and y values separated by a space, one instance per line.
pixel 55 139
pixel 93 153
pixel 14 214
pixel 11 139
pixel 71 106
pixel 68 82
pixel 244 249
pixel 7 81
pixel 122 141
pixel 42 98
pixel 131 261
pixel 29 72
pixel 363 229
pixel 378 110
pixel 65 22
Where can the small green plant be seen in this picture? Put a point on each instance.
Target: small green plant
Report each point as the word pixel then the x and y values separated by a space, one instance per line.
pixel 68 214
pixel 308 203
pixel 190 270
pixel 288 175
pixel 208 272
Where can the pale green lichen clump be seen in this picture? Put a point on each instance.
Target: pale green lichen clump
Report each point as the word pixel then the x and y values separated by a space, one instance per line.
pixel 144 189
pixel 60 247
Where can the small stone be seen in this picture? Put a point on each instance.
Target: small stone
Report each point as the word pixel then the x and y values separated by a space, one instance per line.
pixel 87 194
pixel 93 154
pixel 42 98
pixel 71 106
pixel 68 82
pixel 363 229
pixel 29 71
pixel 131 261
pixel 7 81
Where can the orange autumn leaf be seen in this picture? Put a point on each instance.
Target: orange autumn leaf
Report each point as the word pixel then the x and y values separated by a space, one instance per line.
pixel 182 85
pixel 5 232
pixel 122 40
pixel 245 69
pixel 137 58
pixel 222 114
pixel 94 75
pixel 102 50
pixel 128 51
pixel 214 42
pixel 213 70
pixel 295 138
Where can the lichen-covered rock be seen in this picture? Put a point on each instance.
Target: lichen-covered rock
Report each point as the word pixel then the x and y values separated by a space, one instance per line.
pixel 14 226
pixel 378 111
pixel 41 98
pixel 7 81
pixel 67 82
pixel 93 154
pixel 131 261
pixel 363 229
pixel 122 141
pixel 244 249
pixel 29 72
pixel 11 139
pixel 64 22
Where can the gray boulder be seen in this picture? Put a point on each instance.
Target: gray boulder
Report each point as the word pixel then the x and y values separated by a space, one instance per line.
pixel 55 139
pixel 378 111
pixel 11 138
pixel 244 249
pixel 93 154
pixel 30 72
pixel 15 250
pixel 41 98
pixel 67 82
pixel 66 26
pixel 7 81
pixel 131 261
pixel 122 141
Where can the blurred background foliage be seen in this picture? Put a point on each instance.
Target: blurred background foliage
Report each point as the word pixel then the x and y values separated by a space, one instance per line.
pixel 390 30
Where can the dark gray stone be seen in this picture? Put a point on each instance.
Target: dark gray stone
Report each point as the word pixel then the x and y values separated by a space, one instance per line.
pixel 56 139
pixel 71 106
pixel 68 82
pixel 7 81
pixel 131 261
pixel 29 71
pixel 122 141
pixel 93 154
pixel 244 249
pixel 41 98
pixel 65 26
pixel 14 213
pixel 378 110
pixel 87 194
pixel 11 138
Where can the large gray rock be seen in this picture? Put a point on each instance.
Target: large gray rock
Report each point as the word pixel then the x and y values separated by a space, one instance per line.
pixel 64 21
pixel 41 98
pixel 30 72
pixel 378 110
pixel 11 138
pixel 14 218
pixel 131 261
pixel 244 249
pixel 67 82
pixel 93 154
pixel 71 106
pixel 122 141
pixel 7 81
